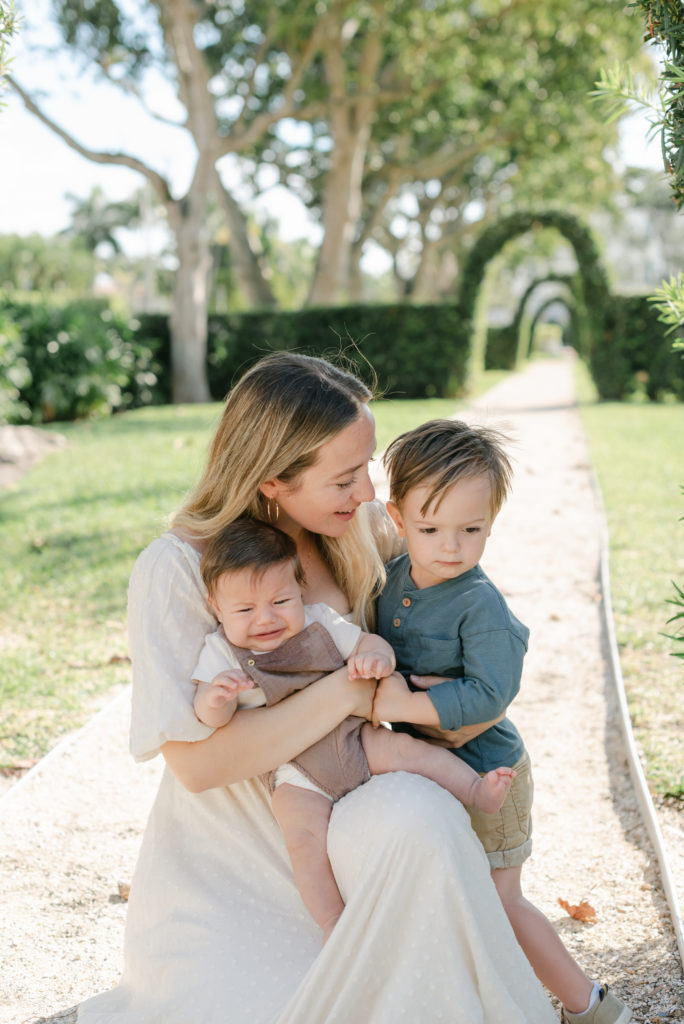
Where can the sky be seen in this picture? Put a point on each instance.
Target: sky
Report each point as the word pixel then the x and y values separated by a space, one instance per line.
pixel 38 170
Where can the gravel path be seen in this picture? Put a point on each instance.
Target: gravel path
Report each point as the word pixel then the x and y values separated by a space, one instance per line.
pixel 71 828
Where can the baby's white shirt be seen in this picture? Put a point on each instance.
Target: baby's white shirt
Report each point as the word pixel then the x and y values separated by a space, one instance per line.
pixel 216 655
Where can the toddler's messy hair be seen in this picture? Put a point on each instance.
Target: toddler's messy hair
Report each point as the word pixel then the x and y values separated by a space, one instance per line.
pixel 441 452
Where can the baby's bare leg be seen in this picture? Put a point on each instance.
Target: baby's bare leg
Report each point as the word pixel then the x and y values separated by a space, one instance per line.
pixel 397 752
pixel 303 816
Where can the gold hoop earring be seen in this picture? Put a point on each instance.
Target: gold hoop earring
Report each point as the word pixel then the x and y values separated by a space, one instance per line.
pixel 269 511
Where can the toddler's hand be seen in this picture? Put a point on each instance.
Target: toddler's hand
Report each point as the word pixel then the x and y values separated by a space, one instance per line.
pixel 425 682
pixel 226 686
pixel 369 666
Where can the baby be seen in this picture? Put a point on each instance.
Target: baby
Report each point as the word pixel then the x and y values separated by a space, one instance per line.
pixel 270 644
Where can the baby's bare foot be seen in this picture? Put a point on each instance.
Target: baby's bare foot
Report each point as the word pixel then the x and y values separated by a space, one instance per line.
pixel 490 791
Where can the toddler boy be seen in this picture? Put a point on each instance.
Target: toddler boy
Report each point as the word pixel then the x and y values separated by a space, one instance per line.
pixel 462 650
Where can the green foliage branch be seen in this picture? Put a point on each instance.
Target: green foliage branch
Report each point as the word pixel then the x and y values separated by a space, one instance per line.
pixel 678 617
pixel 8 27
pixel 665 26
pixel 669 301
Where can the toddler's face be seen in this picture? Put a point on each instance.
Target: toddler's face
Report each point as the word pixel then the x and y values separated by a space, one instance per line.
pixel 448 540
pixel 259 612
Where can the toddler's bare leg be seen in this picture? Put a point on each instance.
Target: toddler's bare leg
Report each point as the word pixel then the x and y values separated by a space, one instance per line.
pixel 388 751
pixel 303 816
pixel 551 961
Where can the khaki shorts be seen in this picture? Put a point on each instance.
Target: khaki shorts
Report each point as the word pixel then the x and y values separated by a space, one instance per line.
pixel 507 835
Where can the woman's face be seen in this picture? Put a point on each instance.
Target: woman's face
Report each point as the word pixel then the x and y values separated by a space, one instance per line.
pixel 324 498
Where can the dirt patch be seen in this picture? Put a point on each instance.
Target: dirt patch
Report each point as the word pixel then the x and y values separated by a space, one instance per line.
pixel 22 447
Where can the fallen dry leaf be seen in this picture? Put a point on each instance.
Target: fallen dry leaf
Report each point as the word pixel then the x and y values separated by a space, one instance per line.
pixel 582 911
pixel 124 890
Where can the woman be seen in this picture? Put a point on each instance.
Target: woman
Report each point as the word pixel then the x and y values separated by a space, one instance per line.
pixel 216 931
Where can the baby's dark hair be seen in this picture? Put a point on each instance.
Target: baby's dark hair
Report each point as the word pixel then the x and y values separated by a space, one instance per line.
pixel 440 452
pixel 247 544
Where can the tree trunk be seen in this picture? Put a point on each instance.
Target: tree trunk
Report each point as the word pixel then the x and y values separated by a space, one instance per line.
pixel 245 262
pixel 351 128
pixel 190 299
pixel 355 284
pixel 331 277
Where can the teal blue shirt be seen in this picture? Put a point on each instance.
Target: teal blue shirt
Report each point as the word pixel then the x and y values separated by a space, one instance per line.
pixel 462 629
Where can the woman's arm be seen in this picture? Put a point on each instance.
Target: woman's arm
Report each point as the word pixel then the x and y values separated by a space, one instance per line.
pixel 259 739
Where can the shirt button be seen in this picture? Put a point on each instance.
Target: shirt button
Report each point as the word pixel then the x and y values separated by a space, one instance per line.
pixel 251 661
pixel 396 622
pixel 406 602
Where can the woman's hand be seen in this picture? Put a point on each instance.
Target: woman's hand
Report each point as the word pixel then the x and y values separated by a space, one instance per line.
pixel 363 690
pixel 468 732
pixel 257 740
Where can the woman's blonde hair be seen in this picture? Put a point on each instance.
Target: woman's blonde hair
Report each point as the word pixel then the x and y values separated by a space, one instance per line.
pixel 275 420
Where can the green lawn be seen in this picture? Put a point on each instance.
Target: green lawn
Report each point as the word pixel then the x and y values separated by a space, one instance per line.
pixel 636 451
pixel 72 527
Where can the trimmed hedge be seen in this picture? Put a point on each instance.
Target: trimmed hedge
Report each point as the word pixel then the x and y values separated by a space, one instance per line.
pixel 635 353
pixel 502 346
pixel 81 359
pixel 411 349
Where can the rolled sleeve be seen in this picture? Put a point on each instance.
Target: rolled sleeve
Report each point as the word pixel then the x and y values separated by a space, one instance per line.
pixel 491 680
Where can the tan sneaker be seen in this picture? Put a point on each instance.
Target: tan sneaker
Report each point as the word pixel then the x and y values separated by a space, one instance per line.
pixel 607 1009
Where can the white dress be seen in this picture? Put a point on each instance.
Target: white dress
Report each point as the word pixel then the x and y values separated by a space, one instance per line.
pixel 216 930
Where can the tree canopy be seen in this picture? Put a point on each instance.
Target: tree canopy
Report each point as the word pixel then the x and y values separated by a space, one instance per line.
pixel 396 122
pixel 8 27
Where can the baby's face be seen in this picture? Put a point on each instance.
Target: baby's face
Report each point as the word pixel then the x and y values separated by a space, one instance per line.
pixel 259 612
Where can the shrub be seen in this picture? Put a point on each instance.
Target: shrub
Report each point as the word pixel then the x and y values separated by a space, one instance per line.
pixel 83 359
pixel 14 373
pixel 635 353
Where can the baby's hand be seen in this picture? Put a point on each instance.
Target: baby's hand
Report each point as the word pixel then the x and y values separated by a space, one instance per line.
pixel 226 686
pixel 371 665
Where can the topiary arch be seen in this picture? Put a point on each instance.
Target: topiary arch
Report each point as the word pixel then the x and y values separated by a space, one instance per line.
pixel 594 297
pixel 556 300
pixel 524 338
